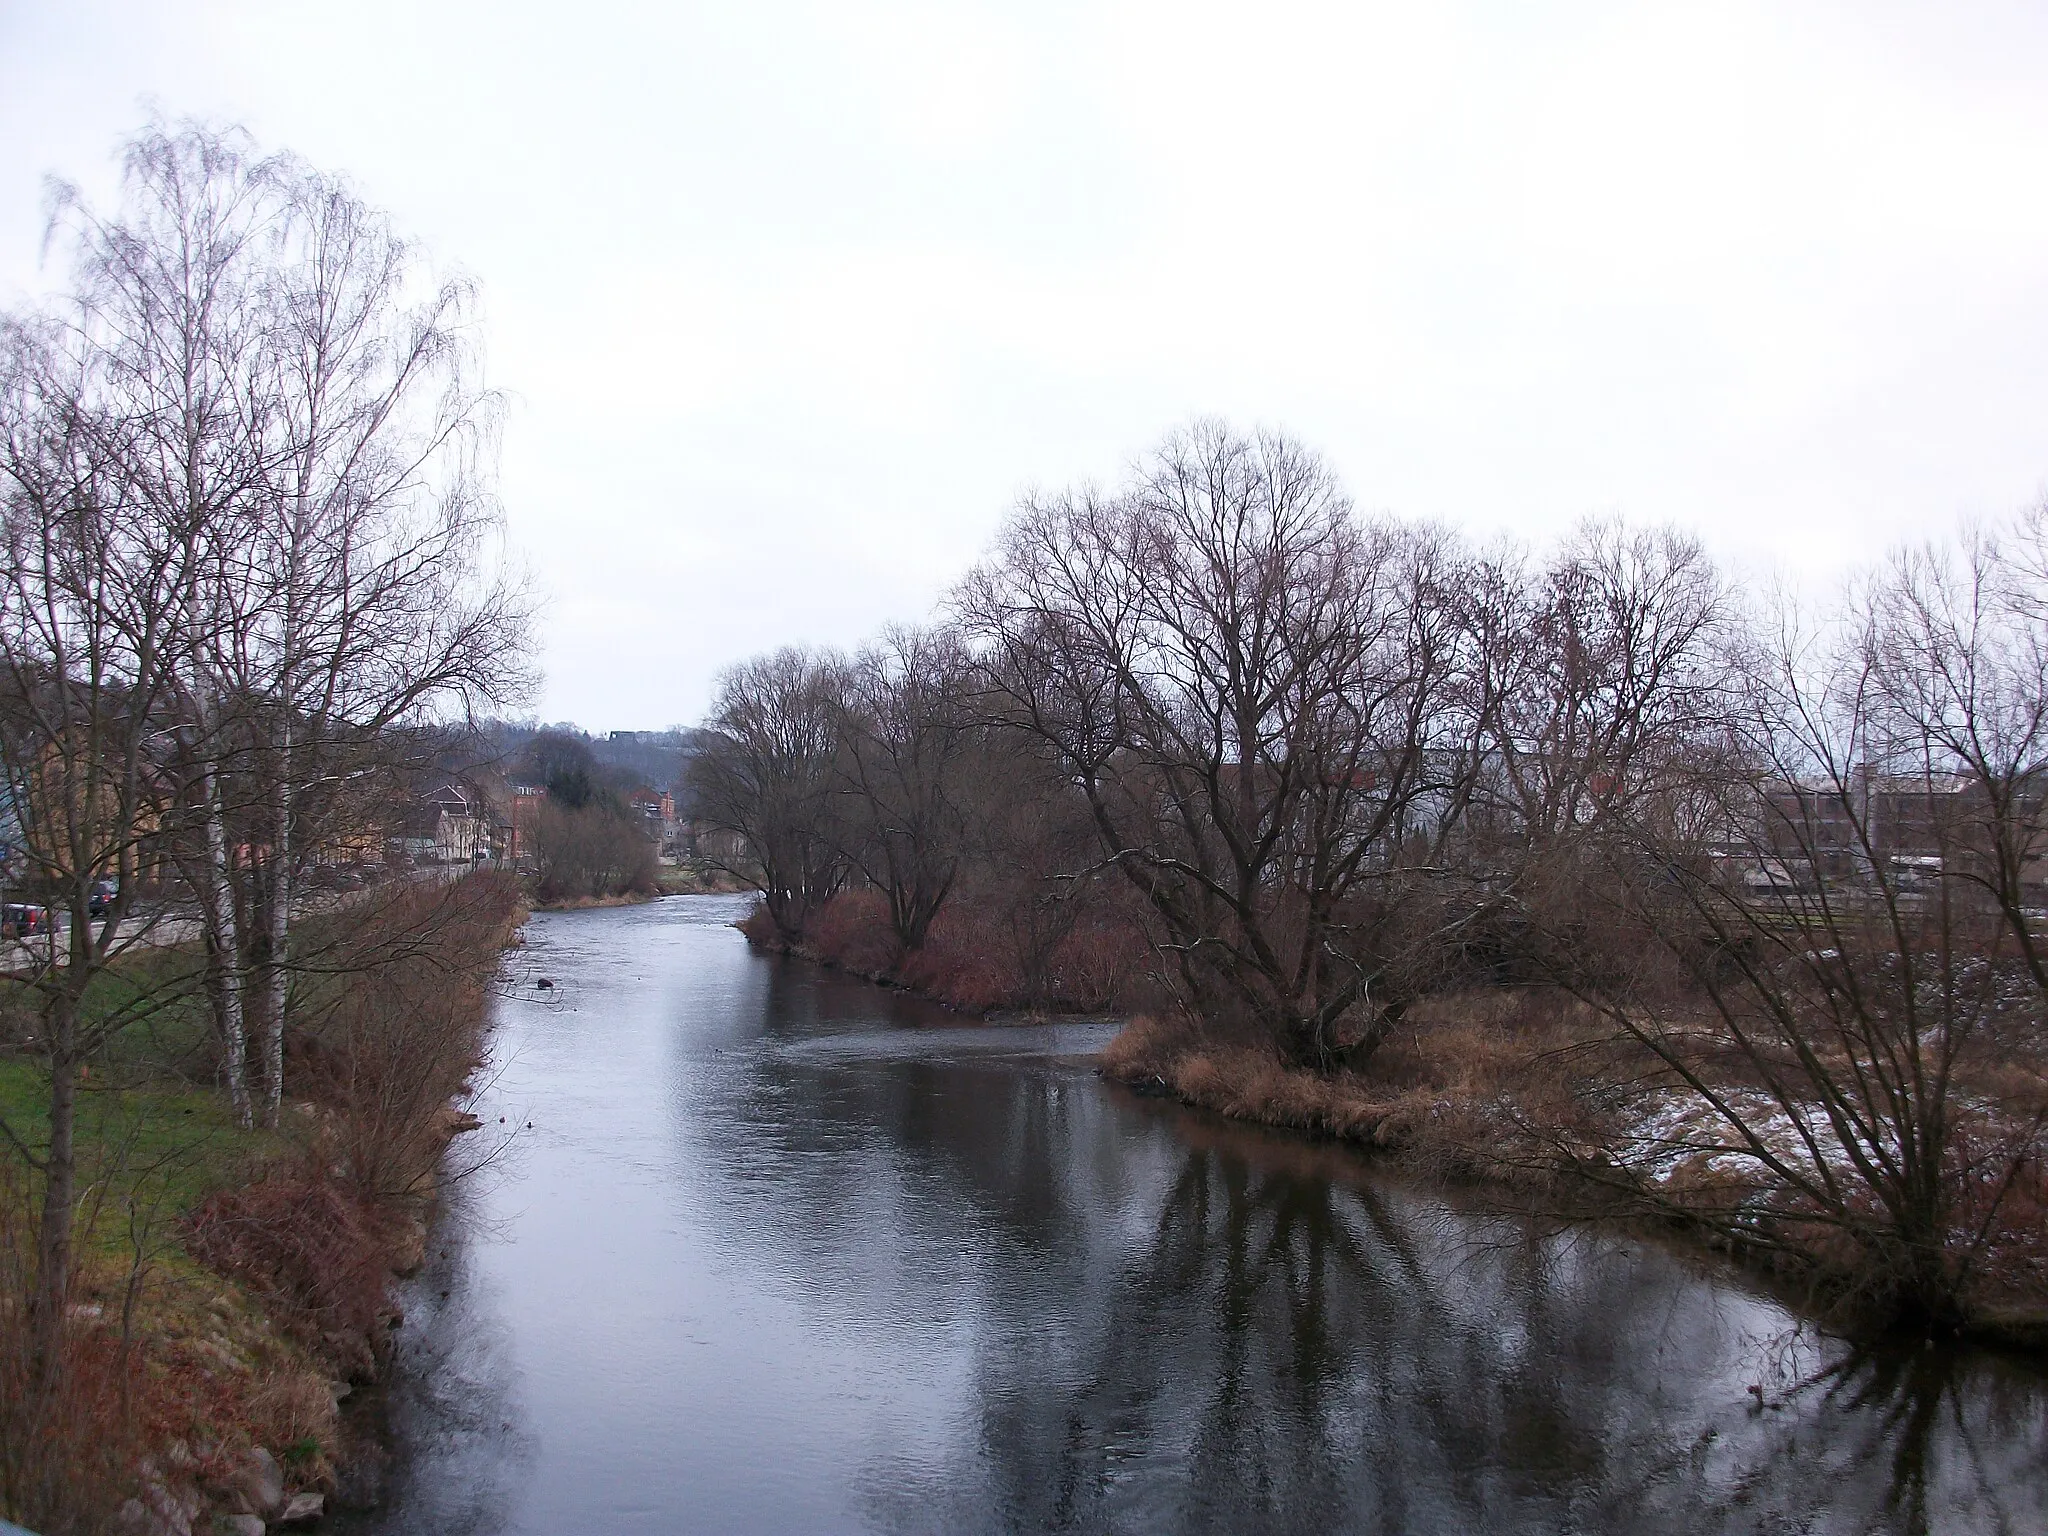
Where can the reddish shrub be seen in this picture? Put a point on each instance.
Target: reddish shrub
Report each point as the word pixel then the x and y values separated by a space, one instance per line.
pixel 759 928
pixel 982 953
pixel 67 1461
pixel 853 930
pixel 397 1028
pixel 1104 965
pixel 967 962
pixel 315 1255
pixel 989 949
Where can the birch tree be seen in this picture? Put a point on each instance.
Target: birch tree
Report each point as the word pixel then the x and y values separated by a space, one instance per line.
pixel 307 411
pixel 385 605
pixel 165 307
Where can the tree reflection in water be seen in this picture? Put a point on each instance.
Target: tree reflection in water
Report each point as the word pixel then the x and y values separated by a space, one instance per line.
pixel 1292 1351
pixel 775 1261
pixel 1184 1325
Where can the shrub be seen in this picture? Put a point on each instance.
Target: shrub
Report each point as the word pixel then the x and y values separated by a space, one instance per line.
pixel 759 927
pixel 591 852
pixel 983 951
pixel 853 931
pixel 395 1026
pixel 315 1255
pixel 66 1455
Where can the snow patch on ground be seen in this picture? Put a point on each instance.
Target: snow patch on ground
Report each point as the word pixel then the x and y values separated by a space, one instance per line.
pixel 1670 1133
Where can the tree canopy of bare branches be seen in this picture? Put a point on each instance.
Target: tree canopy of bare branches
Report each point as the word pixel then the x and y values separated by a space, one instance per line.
pixel 769 780
pixel 1258 695
pixel 286 392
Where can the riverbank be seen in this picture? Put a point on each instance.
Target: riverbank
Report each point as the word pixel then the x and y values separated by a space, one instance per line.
pixel 592 903
pixel 232 1310
pixel 1526 1097
pixel 698 879
pixel 981 957
pixel 1519 1092
pixel 670 881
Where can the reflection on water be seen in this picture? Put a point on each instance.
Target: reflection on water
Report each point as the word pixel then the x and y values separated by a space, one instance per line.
pixel 784 1252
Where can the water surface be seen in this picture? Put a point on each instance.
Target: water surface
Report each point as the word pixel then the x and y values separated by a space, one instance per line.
pixel 784 1252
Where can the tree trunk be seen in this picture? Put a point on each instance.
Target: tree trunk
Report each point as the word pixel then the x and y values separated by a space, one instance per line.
pixel 60 1196
pixel 273 975
pixel 217 904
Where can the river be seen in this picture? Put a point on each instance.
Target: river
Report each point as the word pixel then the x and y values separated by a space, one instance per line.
pixel 759 1248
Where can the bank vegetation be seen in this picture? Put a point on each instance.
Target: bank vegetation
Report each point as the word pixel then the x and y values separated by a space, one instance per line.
pixel 248 584
pixel 1582 870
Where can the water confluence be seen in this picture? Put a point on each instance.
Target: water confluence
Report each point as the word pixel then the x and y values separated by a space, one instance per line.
pixel 785 1252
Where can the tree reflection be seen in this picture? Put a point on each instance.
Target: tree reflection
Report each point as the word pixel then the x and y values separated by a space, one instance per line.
pixel 1287 1350
pixel 1177 1324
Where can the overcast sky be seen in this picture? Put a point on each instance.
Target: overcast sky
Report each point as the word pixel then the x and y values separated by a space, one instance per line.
pixel 792 299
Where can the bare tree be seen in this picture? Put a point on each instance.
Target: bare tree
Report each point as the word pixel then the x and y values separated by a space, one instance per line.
pixel 1835 976
pixel 592 850
pixel 1957 649
pixel 906 745
pixel 1255 694
pixel 170 323
pixel 1611 673
pixel 1601 676
pixel 383 604
pixel 91 587
pixel 769 777
pixel 306 410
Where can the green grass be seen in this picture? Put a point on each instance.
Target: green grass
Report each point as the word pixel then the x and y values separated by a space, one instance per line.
pixel 147 1154
pixel 153 1138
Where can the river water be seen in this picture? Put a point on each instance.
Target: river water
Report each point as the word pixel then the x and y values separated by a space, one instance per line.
pixel 758 1248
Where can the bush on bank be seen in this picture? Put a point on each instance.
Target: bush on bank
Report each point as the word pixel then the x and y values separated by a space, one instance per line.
pixel 980 955
pixel 592 852
pixel 236 1283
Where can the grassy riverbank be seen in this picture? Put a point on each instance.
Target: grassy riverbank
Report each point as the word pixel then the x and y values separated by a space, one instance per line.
pixel 591 903
pixel 233 1294
pixel 699 879
pixel 668 881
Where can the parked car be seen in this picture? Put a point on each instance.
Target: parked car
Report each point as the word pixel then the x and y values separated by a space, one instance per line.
pixel 101 897
pixel 20 919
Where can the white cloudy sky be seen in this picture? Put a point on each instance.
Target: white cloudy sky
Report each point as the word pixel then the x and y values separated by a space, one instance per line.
pixel 793 298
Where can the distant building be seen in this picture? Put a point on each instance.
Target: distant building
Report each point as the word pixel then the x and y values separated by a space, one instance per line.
pixel 524 808
pixel 447 826
pixel 657 809
pixel 1837 831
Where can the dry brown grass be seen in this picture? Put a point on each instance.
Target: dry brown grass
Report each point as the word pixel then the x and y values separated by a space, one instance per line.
pixel 315 1253
pixel 394 1030
pixel 1455 1090
pixel 291 1407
